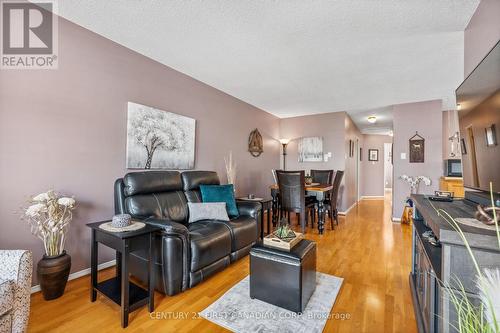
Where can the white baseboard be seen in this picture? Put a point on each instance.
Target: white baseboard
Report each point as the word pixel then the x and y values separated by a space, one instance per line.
pixel 372 197
pixel 81 273
pixel 348 209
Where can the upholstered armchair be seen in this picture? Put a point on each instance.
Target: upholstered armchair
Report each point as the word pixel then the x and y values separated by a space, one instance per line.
pixel 15 289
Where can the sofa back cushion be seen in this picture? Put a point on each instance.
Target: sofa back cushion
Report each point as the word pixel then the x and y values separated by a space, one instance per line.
pixel 155 194
pixel 147 182
pixel 191 181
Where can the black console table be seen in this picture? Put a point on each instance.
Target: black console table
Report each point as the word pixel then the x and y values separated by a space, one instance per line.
pixel 119 289
pixel 430 264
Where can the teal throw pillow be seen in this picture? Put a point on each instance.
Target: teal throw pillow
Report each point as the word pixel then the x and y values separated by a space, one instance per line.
pixel 220 193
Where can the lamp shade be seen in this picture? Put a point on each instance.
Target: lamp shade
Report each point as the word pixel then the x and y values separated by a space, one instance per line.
pixel 284 141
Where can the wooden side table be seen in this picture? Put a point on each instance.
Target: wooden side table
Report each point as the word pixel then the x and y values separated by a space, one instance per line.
pixel 119 289
pixel 267 206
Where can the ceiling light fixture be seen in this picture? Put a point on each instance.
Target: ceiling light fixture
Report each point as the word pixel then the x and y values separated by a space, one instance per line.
pixel 372 119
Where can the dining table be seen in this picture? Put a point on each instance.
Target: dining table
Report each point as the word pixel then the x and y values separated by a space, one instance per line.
pixel 315 189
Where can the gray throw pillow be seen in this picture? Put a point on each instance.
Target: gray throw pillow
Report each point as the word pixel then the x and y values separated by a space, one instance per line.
pixel 207 211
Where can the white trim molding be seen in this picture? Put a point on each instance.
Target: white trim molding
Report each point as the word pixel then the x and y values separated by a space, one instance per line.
pixel 372 197
pixel 396 219
pixel 81 273
pixel 348 209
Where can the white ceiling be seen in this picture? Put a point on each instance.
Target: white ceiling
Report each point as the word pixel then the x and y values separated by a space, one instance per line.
pixel 297 57
pixel 382 126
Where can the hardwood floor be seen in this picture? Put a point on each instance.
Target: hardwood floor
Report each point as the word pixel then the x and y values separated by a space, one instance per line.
pixel 370 252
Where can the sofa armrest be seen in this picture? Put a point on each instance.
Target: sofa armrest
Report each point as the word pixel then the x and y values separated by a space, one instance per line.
pixel 16 266
pixel 249 208
pixel 175 254
pixel 169 227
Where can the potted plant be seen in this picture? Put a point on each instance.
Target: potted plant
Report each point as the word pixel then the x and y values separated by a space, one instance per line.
pixel 49 216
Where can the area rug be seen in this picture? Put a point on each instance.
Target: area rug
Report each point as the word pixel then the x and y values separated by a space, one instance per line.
pixel 237 312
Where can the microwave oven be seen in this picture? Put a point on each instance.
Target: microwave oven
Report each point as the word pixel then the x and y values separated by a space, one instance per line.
pixel 453 168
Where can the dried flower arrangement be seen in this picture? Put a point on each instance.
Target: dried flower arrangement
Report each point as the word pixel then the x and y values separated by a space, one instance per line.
pixel 415 182
pixel 49 216
pixel 230 170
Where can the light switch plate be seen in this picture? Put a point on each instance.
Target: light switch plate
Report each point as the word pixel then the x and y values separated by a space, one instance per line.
pixel 403 156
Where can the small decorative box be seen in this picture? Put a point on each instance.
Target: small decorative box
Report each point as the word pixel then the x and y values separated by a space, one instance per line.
pixel 283 244
pixel 121 220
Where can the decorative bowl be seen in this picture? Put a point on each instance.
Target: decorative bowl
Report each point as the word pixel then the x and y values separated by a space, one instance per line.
pixel 121 220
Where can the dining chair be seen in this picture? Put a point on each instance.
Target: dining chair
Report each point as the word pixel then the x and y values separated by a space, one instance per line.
pixel 293 195
pixel 331 203
pixel 322 176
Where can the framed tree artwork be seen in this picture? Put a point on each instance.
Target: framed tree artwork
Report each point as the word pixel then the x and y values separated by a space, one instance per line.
pixel 158 139
pixel 373 155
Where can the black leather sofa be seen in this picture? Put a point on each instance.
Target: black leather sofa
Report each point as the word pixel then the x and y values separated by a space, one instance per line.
pixel 186 253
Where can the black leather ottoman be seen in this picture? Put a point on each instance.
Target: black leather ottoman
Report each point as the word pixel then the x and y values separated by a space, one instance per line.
pixel 284 279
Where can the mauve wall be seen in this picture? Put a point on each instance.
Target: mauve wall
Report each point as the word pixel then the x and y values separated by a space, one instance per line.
pixel 331 126
pixel 66 129
pixel 373 172
pixel 427 119
pixel 481 34
pixel 482 117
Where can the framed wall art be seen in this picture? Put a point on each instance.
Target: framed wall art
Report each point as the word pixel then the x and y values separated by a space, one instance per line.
pixel 463 146
pixel 373 155
pixel 491 136
pixel 255 143
pixel 417 149
pixel 158 139
pixel 310 149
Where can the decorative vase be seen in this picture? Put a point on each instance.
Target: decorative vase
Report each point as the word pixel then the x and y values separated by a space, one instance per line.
pixel 53 272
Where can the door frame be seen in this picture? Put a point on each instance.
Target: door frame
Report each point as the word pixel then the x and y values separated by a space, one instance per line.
pixel 358 171
pixel 472 154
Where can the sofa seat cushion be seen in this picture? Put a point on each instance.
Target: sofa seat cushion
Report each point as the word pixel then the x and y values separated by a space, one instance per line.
pixel 244 231
pixel 6 296
pixel 209 242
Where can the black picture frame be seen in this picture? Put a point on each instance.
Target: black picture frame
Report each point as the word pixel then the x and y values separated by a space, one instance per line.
pixel 374 157
pixel 463 146
pixel 491 136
